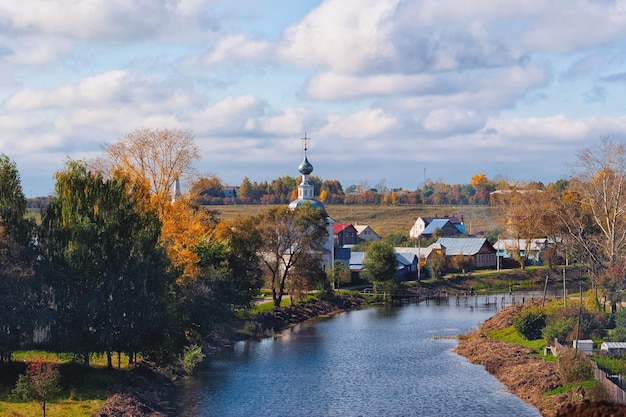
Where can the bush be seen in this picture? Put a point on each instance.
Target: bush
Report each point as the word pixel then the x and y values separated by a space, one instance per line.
pixel 574 366
pixel 192 356
pixel 529 323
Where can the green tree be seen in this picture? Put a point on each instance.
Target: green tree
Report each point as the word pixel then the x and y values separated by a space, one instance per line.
pixel 380 263
pixel 101 255
pixel 12 202
pixel 41 383
pixel 437 265
pixel 21 303
pixel 287 238
pixel 620 325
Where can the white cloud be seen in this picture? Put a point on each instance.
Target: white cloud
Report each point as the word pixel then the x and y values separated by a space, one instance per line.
pixel 239 48
pixel 369 123
pixel 343 35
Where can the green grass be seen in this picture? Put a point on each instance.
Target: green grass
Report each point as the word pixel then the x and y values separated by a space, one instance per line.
pixel 510 335
pixel 610 365
pixel 85 389
pixel 589 384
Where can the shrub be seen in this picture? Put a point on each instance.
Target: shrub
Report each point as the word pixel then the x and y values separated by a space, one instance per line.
pixel 574 366
pixel 529 323
pixel 192 356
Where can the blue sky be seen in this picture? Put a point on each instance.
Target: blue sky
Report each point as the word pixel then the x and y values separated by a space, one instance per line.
pixel 386 89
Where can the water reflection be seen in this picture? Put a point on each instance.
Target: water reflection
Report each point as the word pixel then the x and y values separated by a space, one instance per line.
pixel 378 361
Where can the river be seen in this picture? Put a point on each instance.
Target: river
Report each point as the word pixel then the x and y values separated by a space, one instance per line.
pixel 380 361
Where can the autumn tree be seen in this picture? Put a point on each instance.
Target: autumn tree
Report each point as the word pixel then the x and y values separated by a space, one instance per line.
pixel 100 253
pixel 287 239
pixel 600 183
pixel 40 383
pixel 159 156
pixel 206 187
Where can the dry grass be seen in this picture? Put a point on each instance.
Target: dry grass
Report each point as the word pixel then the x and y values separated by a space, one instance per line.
pixel 386 220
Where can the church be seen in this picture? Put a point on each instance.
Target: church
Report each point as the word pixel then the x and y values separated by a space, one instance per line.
pixel 306 195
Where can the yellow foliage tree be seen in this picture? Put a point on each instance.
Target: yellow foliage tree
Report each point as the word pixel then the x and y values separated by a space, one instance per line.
pixel 183 227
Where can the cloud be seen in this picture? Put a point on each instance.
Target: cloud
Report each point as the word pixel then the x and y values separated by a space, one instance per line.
pixel 345 36
pixel 99 20
pixel 237 49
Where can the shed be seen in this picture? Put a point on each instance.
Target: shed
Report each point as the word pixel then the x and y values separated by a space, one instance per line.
pixel 585 346
pixel 613 348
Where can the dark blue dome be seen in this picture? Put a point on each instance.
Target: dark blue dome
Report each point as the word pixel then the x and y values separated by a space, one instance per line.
pixel 305 167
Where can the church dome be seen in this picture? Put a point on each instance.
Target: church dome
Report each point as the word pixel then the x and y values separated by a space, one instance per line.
pixel 305 168
pixel 302 202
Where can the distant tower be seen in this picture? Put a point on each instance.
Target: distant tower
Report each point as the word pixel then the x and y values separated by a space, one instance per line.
pixel 177 191
pixel 306 195
pixel 306 190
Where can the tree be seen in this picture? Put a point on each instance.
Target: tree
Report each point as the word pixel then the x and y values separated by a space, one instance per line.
pixel 481 183
pixel 600 181
pixel 287 236
pixel 41 383
pixel 100 252
pixel 207 186
pixel 380 264
pixel 12 202
pixel 20 299
pixel 437 262
pixel 242 242
pixel 159 156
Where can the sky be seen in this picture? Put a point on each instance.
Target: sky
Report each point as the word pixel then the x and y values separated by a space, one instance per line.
pixel 393 92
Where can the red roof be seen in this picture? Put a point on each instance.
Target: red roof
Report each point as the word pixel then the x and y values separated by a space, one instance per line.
pixel 339 227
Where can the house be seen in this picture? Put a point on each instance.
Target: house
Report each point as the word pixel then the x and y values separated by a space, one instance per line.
pixel 356 265
pixel 342 256
pixel 421 256
pixel 424 227
pixel 345 235
pixel 480 250
pixel 406 262
pixel 231 191
pixel 613 348
pixel 585 346
pixel 366 233
pixel 525 249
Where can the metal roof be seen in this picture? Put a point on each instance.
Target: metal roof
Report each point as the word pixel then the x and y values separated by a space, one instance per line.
pixel 613 345
pixel 462 245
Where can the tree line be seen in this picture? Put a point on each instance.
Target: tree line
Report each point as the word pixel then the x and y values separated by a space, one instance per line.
pixel 120 265
pixel 210 190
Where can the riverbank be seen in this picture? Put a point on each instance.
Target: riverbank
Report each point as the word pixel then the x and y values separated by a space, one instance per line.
pixel 528 377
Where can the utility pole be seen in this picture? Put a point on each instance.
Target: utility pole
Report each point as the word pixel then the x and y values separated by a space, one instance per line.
pixel 564 291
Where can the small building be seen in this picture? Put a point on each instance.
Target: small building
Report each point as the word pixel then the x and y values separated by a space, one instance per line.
pixel 526 249
pixel 424 227
pixel 366 233
pixel 345 235
pixel 613 348
pixel 481 252
pixel 585 346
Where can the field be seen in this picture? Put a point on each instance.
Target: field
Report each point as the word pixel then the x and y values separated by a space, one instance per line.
pixel 386 220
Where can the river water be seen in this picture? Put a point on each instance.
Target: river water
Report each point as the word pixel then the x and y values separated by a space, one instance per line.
pixel 380 361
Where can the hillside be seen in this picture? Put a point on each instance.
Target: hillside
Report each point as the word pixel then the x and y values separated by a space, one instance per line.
pixel 385 219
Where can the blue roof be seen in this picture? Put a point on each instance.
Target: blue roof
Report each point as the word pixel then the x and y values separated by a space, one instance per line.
pixel 434 225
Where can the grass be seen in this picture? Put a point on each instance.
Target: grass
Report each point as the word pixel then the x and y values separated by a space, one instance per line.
pixel 85 389
pixel 589 384
pixel 610 365
pixel 510 335
pixel 385 220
